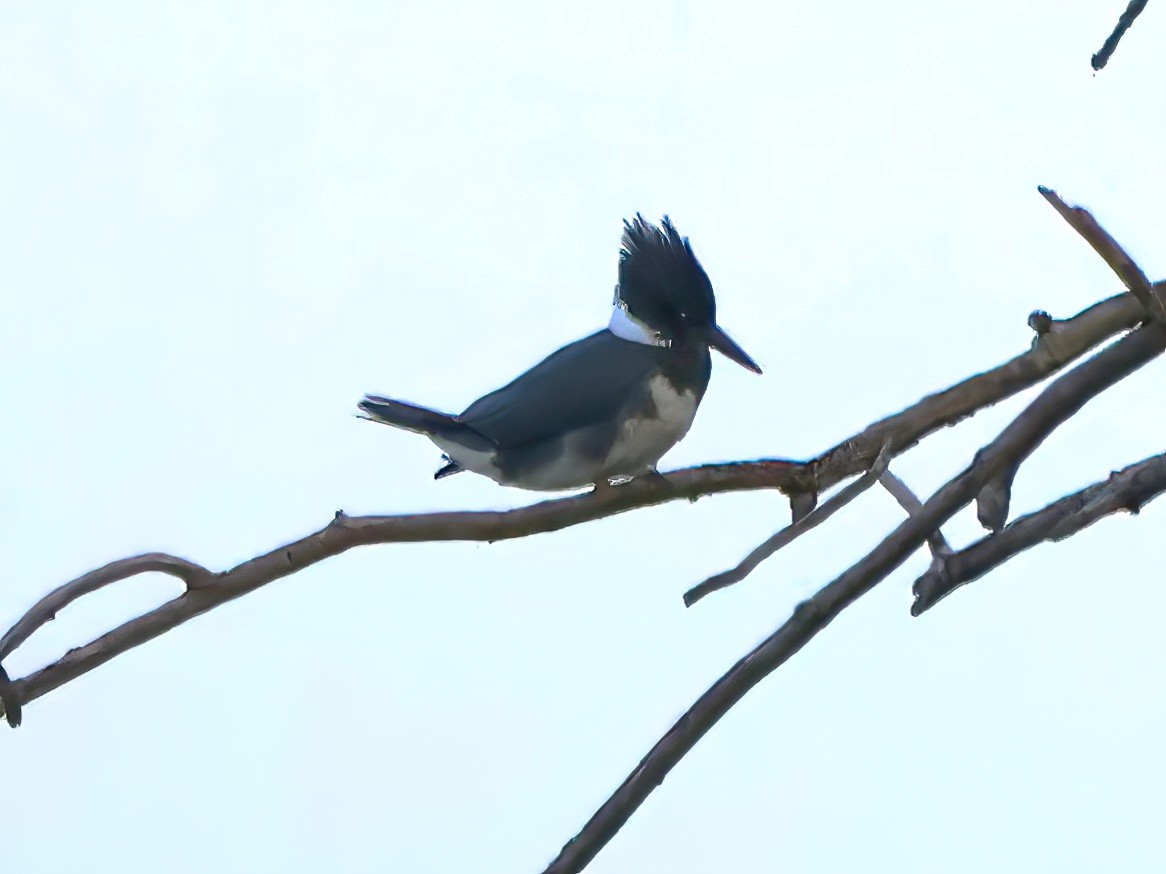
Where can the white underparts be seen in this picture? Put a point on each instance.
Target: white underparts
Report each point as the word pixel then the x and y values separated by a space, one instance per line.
pixel 641 442
pixel 627 327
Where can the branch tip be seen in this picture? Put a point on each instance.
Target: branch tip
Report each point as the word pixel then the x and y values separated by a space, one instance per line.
pixel 1101 57
pixel 811 519
pixel 9 705
pixel 1103 243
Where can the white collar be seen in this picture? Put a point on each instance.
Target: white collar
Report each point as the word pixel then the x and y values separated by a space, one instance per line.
pixel 627 327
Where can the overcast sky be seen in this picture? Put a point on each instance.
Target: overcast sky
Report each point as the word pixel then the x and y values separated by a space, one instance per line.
pixel 221 224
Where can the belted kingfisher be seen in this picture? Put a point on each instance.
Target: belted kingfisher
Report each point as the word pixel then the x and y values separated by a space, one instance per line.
pixel 604 407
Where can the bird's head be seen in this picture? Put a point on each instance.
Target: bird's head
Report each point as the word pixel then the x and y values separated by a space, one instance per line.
pixel 663 286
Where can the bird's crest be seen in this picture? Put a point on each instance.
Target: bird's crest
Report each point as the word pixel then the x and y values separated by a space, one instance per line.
pixel 660 275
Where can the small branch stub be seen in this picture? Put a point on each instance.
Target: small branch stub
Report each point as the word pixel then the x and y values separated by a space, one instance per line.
pixel 9 706
pixel 1124 22
pixel 1040 321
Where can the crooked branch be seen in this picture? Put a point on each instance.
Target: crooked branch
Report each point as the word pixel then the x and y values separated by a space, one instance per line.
pixel 46 609
pixel 1057 343
pixel 1126 490
pixel 1068 393
pixel 995 499
pixel 206 590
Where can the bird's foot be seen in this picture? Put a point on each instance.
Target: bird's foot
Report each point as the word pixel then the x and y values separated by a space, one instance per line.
pixel 651 478
pixel 602 488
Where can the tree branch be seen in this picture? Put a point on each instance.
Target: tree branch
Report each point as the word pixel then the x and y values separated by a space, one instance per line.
pixel 791 532
pixel 1057 343
pixel 995 499
pixel 1133 10
pixel 907 499
pixel 206 590
pixel 46 608
pixel 1111 251
pixel 1068 392
pixel 1129 489
pixel 9 706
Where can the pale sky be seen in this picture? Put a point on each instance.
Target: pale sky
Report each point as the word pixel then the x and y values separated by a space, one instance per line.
pixel 221 224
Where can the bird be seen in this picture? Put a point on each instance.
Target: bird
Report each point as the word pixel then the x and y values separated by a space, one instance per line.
pixel 603 408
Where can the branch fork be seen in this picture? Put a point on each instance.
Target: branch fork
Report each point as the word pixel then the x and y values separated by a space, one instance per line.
pixel 1137 318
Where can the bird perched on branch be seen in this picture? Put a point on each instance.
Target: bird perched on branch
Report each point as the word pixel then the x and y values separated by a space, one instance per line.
pixel 604 407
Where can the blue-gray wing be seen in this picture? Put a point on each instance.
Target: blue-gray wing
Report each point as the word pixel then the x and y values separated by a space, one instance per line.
pixel 589 382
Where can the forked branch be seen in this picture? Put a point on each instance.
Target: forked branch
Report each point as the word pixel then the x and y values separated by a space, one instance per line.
pixel 791 532
pixel 1067 394
pixel 1126 490
pixel 1058 343
pixel 987 480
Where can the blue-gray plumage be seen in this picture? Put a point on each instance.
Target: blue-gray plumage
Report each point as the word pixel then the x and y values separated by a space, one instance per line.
pixel 609 405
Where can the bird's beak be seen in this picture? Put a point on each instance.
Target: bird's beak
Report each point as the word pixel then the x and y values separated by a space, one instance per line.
pixel 725 344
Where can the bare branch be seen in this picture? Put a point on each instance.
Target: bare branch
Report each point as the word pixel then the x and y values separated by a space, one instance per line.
pixel 1063 341
pixel 1129 489
pixel 907 499
pixel 1068 392
pixel 46 609
pixel 791 532
pixel 9 706
pixel 995 499
pixel 1133 10
pixel 206 590
pixel 1119 261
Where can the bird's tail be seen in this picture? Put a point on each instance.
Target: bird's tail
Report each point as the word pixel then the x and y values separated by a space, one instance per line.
pixel 422 420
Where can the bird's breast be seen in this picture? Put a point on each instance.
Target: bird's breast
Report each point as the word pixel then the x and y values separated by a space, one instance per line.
pixel 652 428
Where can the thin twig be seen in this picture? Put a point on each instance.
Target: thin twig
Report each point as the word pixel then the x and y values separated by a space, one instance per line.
pixel 1070 391
pixel 908 500
pixel 791 532
pixel 1128 490
pixel 1119 261
pixel 47 607
pixel 1133 10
